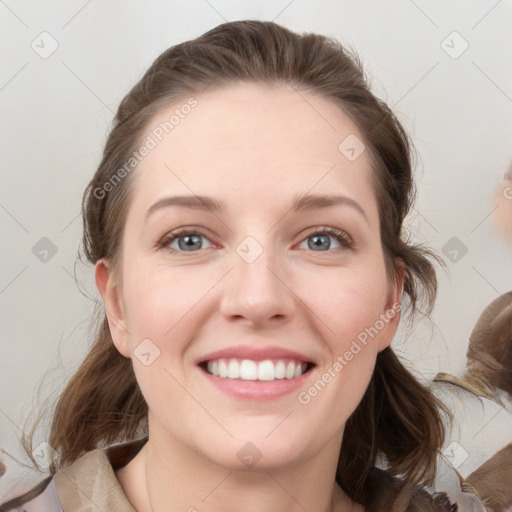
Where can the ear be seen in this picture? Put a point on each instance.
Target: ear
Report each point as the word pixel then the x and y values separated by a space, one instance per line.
pixel 112 298
pixel 391 314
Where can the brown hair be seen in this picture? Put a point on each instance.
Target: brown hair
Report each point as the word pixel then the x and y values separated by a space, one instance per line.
pixel 489 353
pixel 398 418
pixel 491 481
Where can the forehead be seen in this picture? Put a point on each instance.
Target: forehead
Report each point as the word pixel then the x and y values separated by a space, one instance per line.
pixel 251 139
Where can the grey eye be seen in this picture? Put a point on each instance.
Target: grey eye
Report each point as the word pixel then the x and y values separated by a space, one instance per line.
pixel 190 242
pixel 321 242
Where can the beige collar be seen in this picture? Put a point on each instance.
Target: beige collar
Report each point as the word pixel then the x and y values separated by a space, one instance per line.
pixel 90 483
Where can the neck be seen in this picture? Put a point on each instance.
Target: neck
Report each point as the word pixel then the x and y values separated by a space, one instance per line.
pixel 192 483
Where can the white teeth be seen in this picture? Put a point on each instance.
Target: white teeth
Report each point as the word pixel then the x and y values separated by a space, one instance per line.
pixel 223 368
pixel 233 369
pixel 266 370
pixel 280 370
pixel 248 370
pixel 253 370
pixel 290 370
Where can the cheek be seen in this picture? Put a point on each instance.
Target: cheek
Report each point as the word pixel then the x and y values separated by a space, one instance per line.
pixel 157 299
pixel 348 302
pixel 350 313
pixel 159 302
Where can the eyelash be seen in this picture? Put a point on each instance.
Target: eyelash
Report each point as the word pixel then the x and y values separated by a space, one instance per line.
pixel 343 238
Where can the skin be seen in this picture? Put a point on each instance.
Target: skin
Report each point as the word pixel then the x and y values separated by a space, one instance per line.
pixel 254 148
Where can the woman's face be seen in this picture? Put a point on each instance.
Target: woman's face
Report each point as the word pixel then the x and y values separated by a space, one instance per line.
pixel 264 280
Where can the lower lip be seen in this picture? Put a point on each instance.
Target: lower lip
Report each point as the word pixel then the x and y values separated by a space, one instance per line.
pixel 257 389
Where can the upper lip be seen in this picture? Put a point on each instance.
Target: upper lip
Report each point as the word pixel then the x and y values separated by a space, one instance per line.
pixel 255 354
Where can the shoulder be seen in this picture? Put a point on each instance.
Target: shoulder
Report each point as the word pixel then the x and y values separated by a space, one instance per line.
pixel 91 482
pixel 88 483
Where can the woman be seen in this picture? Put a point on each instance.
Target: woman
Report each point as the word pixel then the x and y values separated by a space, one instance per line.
pixel 245 224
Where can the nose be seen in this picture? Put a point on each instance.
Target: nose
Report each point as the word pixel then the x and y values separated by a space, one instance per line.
pixel 257 293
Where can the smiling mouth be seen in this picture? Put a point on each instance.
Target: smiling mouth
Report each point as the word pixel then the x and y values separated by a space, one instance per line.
pixel 247 369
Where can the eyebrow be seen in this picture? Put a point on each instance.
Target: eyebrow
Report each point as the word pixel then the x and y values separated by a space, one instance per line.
pixel 299 204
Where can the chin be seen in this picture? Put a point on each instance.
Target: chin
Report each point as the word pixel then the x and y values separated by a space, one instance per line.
pixel 256 450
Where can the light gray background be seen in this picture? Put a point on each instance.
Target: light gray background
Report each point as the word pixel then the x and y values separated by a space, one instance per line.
pixel 56 112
